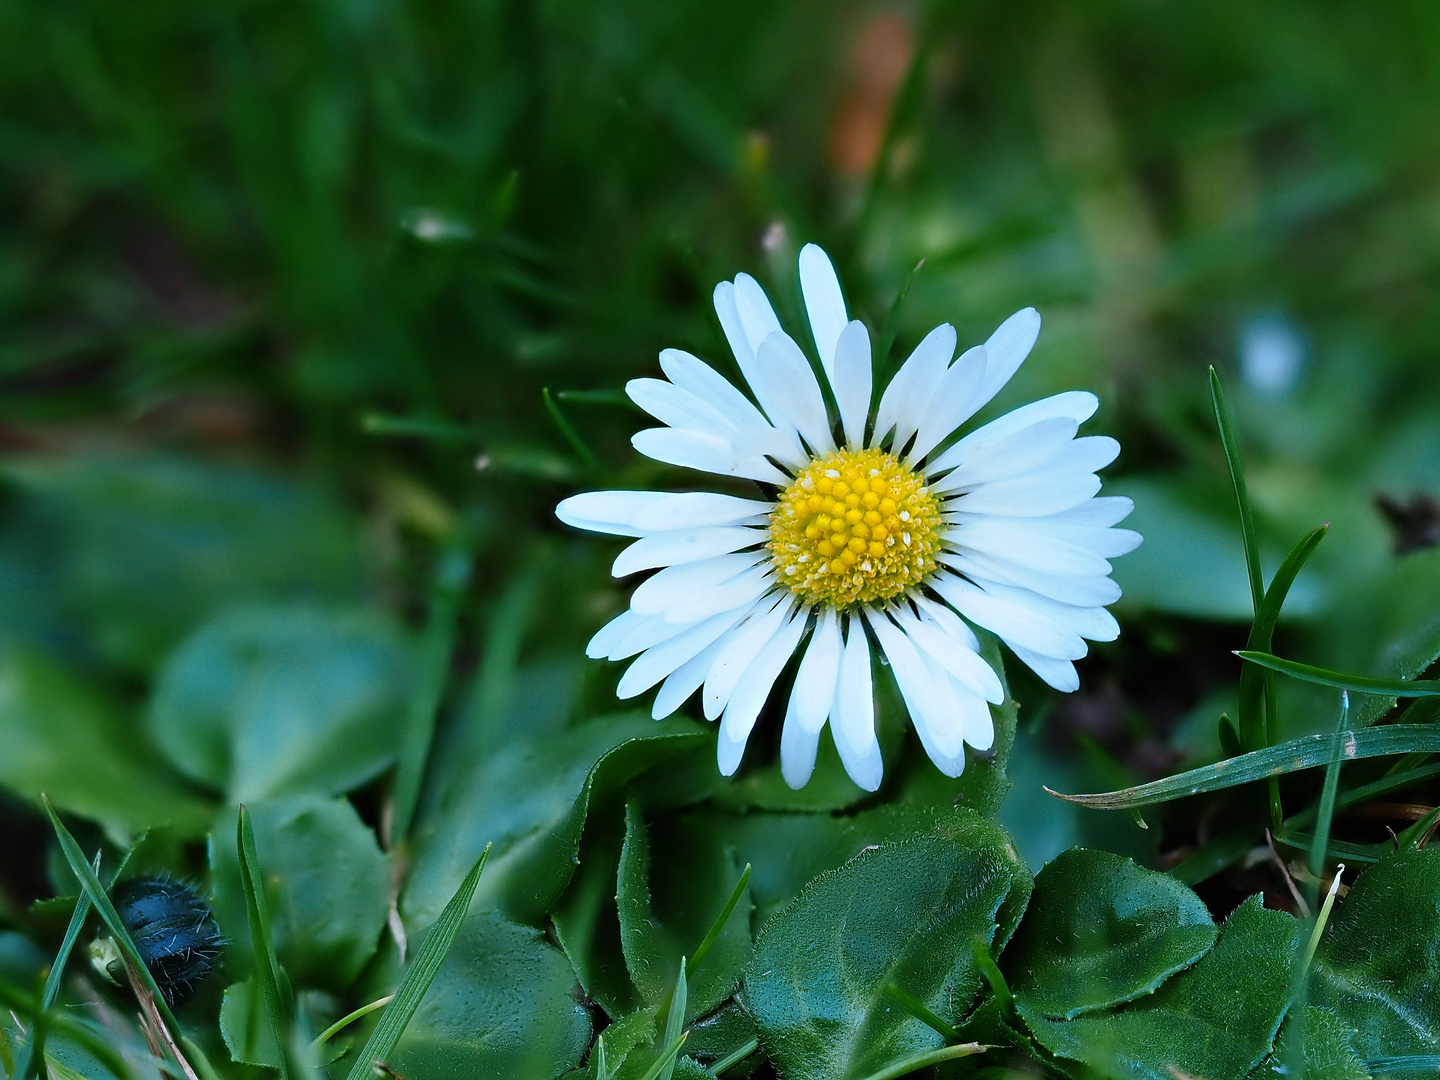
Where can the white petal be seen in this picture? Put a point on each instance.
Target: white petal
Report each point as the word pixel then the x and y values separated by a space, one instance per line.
pixel 792 387
pixel 1100 512
pixel 607 511
pixel 662 590
pixel 689 509
pixel 851 379
pixel 1108 543
pixel 684 546
pixel 1034 495
pixel 975 714
pixel 699 450
pixel 609 635
pixel 1012 455
pixel 1080 591
pixel 743 589
pixel 819 671
pixel 853 712
pixel 1090 454
pixel 650 631
pixel 756 315
pixel 1007 620
pixel 686 679
pixel 679 408
pixel 797 750
pixel 1060 674
pixel 824 304
pixel 1024 547
pixel 947 621
pixel 724 674
pixel 658 661
pixel 928 702
pixel 954 656
pixel 748 697
pixel 909 391
pixel 1078 405
pixel 1092 623
pixel 749 424
pixel 1008 346
pixel 953 402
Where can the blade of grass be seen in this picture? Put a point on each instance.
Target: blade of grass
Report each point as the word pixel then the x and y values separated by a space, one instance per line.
pixel 1257 686
pixel 1402 688
pixel 1416 833
pixel 666 1059
pixel 1326 811
pixel 711 936
pixel 1412 1063
pixel 908 1065
pixel 32 1051
pixel 1218 854
pixel 597 397
pixel 566 429
pixel 730 1060
pixel 90 884
pixel 348 1019
pixel 279 1005
pixel 602 1067
pixel 417 980
pixel 1242 494
pixel 421 427
pixel 1343 849
pixel 675 1021
pixel 916 1008
pixel 890 327
pixel 1303 753
pixel 452 576
pixel 1385 785
pixel 980 952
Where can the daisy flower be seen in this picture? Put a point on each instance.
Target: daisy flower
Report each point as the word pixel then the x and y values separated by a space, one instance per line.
pixel 871 530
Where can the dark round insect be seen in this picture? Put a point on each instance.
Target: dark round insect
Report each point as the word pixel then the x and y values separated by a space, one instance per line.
pixel 173 930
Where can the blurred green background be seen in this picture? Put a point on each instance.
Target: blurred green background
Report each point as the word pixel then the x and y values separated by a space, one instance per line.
pixel 281 285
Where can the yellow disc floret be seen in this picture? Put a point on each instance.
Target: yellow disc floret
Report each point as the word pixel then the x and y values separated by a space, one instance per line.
pixel 854 528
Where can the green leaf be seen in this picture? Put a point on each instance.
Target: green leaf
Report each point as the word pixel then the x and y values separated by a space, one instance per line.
pixel 531 798
pixel 669 901
pixel 903 912
pixel 1405 688
pixel 146 547
pixel 66 739
pixel 326 883
pixel 273 701
pixel 586 918
pixel 500 1006
pixel 245 1027
pixel 1292 756
pixel 429 959
pixel 1328 1049
pixel 274 988
pixel 1217 1020
pixel 1100 931
pixel 1377 966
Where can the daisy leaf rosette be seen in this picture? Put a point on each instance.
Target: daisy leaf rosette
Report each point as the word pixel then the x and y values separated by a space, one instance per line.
pixel 871 531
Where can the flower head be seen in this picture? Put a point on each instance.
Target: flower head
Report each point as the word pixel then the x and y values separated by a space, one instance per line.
pixel 870 530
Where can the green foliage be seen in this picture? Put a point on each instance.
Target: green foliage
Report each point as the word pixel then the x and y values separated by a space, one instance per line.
pixel 530 797
pixel 499 1006
pixel 71 741
pixel 1217 1019
pixel 309 314
pixel 904 912
pixel 672 886
pixel 325 881
pixel 1377 967
pixel 1101 931
pixel 271 701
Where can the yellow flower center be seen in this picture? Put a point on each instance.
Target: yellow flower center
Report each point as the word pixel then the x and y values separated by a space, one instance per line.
pixel 854 528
